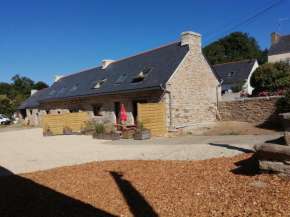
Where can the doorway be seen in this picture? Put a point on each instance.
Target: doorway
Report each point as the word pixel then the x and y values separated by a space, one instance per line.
pixel 117 112
pixel 135 109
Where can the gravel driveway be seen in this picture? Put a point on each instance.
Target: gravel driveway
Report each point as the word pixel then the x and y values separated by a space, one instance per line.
pixel 27 151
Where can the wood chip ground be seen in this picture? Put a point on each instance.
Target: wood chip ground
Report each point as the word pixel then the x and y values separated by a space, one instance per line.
pixel 215 187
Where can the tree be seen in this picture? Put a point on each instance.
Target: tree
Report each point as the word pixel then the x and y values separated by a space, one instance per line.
pixel 5 89
pixel 234 47
pixel 5 106
pixel 271 77
pixel 22 85
pixel 40 85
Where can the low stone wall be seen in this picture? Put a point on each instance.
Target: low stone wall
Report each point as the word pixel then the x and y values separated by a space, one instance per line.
pixel 258 109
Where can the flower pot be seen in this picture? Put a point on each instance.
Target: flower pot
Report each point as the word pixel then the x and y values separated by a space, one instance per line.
pixel 98 135
pixel 49 133
pixel 112 136
pixel 141 135
pixel 89 132
pixel 128 134
pixel 67 131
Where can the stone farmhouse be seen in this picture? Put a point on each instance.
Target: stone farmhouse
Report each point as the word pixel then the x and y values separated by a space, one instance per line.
pixel 234 72
pixel 280 48
pixel 177 74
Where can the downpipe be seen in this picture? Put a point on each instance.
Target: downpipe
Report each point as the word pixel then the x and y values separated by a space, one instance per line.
pixel 170 103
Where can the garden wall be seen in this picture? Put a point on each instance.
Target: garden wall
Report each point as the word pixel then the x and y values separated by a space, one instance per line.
pixel 258 109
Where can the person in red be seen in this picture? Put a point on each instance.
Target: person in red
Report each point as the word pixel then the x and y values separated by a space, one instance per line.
pixel 123 115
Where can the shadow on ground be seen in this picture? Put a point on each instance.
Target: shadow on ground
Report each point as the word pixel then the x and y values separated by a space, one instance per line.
pixel 137 203
pixel 271 124
pixel 247 167
pixel 22 197
pixel 232 147
pixel 279 141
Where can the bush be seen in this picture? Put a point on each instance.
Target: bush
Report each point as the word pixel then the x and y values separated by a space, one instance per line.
pixel 283 104
pixel 99 127
pixel 238 86
pixel 271 77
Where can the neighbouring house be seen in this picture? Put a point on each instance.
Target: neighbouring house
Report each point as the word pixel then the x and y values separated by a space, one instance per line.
pixel 177 74
pixel 280 48
pixel 233 73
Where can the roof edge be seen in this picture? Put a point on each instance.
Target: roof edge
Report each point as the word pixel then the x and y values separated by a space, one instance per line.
pixel 254 59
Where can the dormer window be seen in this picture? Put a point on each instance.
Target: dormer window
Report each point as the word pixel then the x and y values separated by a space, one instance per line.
pixel 231 74
pixel 121 79
pixel 98 84
pixel 52 92
pixel 74 88
pixel 142 75
pixel 61 91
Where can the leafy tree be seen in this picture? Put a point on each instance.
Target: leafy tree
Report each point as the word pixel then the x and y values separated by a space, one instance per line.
pixel 5 89
pixel 271 77
pixel 238 86
pixel 5 106
pixel 40 85
pixel 234 47
pixel 283 104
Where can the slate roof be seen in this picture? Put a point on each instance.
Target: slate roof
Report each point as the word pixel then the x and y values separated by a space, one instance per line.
pixel 162 61
pixel 282 46
pixel 32 101
pixel 242 70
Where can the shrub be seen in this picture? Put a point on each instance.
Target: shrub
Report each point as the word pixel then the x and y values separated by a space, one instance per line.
pixel 283 104
pixel 109 128
pixel 46 128
pixel 99 127
pixel 90 125
pixel 238 86
pixel 271 77
pixel 140 125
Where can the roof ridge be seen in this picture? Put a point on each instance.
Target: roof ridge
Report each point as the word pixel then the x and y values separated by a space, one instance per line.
pixel 234 62
pixel 42 89
pixel 125 58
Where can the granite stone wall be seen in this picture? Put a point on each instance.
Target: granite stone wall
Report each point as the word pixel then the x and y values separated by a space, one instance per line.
pixel 259 109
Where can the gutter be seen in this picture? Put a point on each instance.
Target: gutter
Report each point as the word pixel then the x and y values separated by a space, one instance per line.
pixel 170 103
pixel 217 94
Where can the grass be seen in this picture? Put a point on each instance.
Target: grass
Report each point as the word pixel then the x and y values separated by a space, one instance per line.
pixel 229 134
pixel 206 128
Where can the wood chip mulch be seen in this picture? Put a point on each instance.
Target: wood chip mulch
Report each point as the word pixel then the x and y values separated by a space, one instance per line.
pixel 215 187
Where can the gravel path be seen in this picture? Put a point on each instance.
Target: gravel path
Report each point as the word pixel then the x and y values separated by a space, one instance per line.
pixel 27 151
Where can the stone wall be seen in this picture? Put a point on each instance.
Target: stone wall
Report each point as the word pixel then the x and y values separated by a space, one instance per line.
pixel 194 87
pixel 259 109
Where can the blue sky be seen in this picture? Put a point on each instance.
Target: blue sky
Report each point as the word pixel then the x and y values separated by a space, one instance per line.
pixel 43 38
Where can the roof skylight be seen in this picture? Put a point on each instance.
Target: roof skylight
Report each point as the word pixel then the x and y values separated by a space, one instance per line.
pixel 74 88
pixel 98 84
pixel 62 90
pixel 52 92
pixel 142 75
pixel 231 74
pixel 121 79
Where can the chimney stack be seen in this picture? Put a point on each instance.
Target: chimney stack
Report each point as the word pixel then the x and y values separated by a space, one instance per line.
pixel 191 38
pixel 274 38
pixel 57 77
pixel 105 63
pixel 33 92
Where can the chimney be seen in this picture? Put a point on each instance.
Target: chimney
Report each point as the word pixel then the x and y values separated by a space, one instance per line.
pixel 105 63
pixel 57 77
pixel 274 38
pixel 33 92
pixel 191 38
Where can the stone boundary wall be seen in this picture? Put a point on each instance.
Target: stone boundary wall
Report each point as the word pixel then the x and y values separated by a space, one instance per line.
pixel 258 109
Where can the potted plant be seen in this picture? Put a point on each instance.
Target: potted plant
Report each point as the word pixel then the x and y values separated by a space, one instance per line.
pixel 89 128
pixel 67 130
pixel 128 133
pixel 141 132
pixel 47 131
pixel 98 131
pixel 110 132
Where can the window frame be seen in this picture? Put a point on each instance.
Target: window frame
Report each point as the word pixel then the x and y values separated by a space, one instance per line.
pixel 99 106
pixel 74 88
pixel 52 92
pixel 122 76
pixel 141 76
pixel 231 75
pixel 61 90
pixel 100 83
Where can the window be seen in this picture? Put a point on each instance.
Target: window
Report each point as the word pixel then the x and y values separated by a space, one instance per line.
pixel 52 92
pixel 142 75
pixel 121 79
pixel 74 88
pixel 98 84
pixel 97 110
pixel 231 74
pixel 61 91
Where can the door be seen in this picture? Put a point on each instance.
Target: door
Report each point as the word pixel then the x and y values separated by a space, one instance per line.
pixel 118 112
pixel 135 109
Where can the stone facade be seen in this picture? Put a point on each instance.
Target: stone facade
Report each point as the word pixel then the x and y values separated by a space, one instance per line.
pixel 193 87
pixel 259 109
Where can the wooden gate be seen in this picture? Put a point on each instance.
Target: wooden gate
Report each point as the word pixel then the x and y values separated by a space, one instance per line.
pixel 153 117
pixel 56 122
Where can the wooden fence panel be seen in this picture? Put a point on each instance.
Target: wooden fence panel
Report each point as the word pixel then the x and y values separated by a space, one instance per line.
pixel 57 122
pixel 153 117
